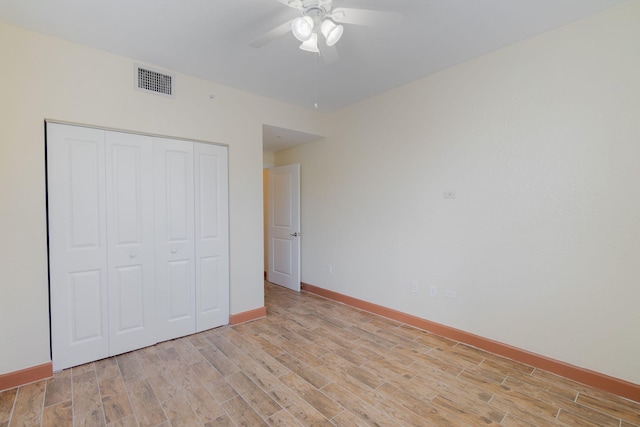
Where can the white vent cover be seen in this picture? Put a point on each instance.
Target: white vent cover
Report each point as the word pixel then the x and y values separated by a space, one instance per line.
pixel 149 80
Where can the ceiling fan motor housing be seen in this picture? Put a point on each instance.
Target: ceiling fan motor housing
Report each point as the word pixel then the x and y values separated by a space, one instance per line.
pixel 313 14
pixel 324 4
pixel 315 19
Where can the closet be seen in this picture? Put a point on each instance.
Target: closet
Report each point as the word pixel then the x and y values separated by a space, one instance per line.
pixel 138 240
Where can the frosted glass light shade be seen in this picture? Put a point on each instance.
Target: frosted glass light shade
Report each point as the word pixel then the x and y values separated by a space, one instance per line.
pixel 311 45
pixel 302 28
pixel 331 32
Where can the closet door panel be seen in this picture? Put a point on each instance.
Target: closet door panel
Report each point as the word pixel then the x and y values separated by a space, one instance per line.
pixel 174 233
pixel 211 234
pixel 179 282
pixel 86 306
pixel 128 298
pixel 129 163
pixel 77 245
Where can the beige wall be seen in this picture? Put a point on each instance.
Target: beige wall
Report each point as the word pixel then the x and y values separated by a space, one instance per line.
pixel 268 158
pixel 541 143
pixel 46 78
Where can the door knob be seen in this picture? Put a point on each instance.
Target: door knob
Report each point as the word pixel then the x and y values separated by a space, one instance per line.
pixel 132 255
pixel 296 234
pixel 173 251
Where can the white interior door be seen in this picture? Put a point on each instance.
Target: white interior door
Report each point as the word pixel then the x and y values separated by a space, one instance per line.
pixel 175 268
pixel 77 245
pixel 129 189
pixel 211 236
pixel 283 217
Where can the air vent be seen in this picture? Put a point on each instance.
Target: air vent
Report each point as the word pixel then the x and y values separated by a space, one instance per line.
pixel 149 80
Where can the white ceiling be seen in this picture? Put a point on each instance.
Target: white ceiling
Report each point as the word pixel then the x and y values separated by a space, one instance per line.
pixel 208 39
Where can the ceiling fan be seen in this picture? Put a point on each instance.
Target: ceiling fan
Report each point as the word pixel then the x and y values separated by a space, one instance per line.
pixel 319 25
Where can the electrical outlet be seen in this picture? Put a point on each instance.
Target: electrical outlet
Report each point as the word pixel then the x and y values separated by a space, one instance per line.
pixel 449 293
pixel 414 287
pixel 433 291
pixel 329 268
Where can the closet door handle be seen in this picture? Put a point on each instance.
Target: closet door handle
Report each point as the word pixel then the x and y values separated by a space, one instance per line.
pixel 132 255
pixel 174 250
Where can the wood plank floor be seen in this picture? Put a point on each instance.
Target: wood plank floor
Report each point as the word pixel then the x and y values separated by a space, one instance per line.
pixel 311 362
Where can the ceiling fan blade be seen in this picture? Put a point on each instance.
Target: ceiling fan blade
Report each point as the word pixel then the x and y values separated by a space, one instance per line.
pixel 329 54
pixel 371 18
pixel 271 35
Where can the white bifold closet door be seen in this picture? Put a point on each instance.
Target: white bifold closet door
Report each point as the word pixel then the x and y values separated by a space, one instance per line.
pixel 138 241
pixel 191 237
pixel 211 235
pixel 130 241
pixel 175 247
pixel 77 245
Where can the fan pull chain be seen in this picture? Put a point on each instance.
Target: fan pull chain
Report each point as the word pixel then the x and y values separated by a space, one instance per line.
pixel 315 77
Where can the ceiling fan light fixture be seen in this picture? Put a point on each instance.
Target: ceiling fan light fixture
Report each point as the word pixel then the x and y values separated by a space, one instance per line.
pixel 331 31
pixel 302 28
pixel 311 45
